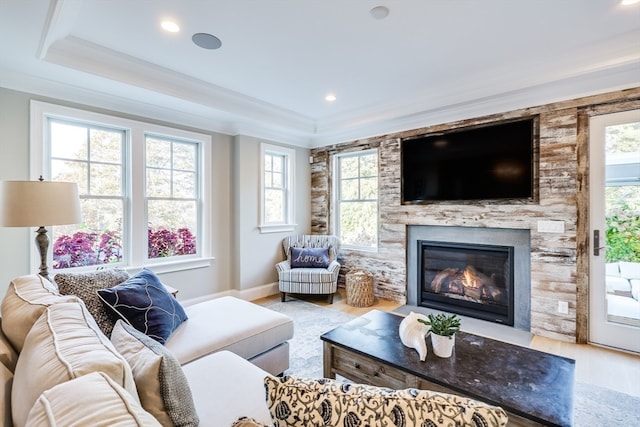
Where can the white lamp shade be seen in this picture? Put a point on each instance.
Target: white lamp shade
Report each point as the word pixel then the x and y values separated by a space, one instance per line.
pixel 38 203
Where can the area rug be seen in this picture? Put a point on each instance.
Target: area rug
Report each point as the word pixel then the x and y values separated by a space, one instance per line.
pixel 309 322
pixel 593 405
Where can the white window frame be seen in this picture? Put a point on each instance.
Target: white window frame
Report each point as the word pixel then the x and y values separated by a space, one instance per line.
pixel 289 171
pixel 337 201
pixel 135 213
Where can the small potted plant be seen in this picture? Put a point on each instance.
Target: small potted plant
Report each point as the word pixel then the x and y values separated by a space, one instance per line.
pixel 443 332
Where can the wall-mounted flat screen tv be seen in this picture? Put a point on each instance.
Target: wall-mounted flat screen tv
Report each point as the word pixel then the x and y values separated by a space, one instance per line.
pixel 493 161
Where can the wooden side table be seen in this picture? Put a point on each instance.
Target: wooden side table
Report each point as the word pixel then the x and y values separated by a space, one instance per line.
pixel 359 284
pixel 173 291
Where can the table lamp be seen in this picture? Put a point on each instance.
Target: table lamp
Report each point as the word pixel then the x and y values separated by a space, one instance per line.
pixel 36 204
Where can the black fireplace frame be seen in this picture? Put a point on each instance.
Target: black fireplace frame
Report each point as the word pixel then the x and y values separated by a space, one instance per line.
pixel 482 311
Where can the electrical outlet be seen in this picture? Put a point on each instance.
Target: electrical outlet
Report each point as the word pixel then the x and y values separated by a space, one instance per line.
pixel 563 307
pixel 549 226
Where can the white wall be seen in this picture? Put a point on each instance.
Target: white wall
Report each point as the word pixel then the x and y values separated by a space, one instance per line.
pixel 14 165
pixel 257 253
pixel 244 259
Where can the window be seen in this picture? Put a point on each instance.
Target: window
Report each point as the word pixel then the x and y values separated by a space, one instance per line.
pixel 92 157
pixel 172 196
pixel 141 187
pixel 276 209
pixel 356 190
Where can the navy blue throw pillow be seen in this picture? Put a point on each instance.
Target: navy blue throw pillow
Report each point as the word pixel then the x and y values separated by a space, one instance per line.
pixel 144 303
pixel 309 257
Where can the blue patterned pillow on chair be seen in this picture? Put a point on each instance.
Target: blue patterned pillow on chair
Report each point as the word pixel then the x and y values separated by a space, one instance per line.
pixel 144 303
pixel 309 257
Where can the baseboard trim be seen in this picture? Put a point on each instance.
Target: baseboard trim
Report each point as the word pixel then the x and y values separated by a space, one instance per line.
pixel 250 294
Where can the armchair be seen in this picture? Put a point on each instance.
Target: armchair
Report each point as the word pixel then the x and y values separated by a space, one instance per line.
pixel 310 270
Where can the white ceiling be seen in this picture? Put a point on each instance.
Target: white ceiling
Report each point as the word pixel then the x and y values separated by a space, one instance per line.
pixel 427 62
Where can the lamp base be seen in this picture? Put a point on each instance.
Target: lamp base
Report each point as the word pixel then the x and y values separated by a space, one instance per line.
pixel 42 242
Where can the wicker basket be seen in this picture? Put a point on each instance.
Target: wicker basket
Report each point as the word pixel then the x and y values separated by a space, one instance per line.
pixel 359 284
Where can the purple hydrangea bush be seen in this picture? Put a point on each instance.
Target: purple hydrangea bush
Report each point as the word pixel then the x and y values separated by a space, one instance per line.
pixel 86 248
pixel 165 243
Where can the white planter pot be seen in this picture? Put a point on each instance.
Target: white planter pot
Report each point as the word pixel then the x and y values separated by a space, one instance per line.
pixel 443 346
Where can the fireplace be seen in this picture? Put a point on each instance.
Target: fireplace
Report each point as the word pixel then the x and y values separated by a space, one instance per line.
pixel 495 245
pixel 474 280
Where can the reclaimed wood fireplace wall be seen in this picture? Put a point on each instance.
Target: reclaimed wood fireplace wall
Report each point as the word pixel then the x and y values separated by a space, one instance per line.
pixel 559 261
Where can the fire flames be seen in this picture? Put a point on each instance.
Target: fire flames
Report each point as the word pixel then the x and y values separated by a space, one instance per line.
pixel 468 283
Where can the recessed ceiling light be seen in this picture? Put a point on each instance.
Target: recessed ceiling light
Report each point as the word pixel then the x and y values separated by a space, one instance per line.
pixel 628 2
pixel 379 12
pixel 170 26
pixel 206 41
pixel 330 97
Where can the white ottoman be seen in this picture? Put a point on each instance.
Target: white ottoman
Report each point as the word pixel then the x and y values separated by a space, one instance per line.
pixel 253 332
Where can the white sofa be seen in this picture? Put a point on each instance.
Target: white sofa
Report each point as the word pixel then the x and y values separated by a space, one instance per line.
pixel 38 362
pixel 623 290
pixel 57 368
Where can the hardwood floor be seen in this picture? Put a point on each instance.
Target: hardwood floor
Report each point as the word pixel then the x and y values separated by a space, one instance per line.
pixel 604 367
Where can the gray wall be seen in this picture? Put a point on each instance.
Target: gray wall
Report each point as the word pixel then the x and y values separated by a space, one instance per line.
pixel 244 258
pixel 259 252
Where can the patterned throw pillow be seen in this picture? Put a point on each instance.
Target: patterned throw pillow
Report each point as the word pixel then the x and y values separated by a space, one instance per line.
pixel 247 422
pixel 144 303
pixel 85 286
pixel 162 386
pixel 296 402
pixel 309 257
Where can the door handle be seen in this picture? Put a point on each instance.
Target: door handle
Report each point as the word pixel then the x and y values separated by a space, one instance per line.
pixel 596 243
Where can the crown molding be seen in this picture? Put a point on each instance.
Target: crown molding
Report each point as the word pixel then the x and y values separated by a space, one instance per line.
pixel 78 54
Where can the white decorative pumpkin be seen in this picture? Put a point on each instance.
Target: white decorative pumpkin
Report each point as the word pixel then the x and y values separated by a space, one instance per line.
pixel 413 333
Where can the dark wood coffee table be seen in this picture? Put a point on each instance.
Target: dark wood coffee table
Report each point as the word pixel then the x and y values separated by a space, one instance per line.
pixel 533 387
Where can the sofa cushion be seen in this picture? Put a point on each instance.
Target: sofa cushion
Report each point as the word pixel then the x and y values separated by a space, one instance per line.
pixel 162 386
pixel 26 298
pixel 85 286
pixel 90 400
pixel 228 323
pixel 635 289
pixel 308 276
pixel 617 284
pixel 309 257
pixel 144 303
pixel 302 402
pixel 612 269
pixel 8 355
pixel 6 380
pixel 226 387
pixel 629 270
pixel 64 343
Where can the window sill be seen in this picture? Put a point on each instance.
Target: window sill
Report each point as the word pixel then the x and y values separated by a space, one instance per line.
pixel 157 267
pixel 173 266
pixel 279 228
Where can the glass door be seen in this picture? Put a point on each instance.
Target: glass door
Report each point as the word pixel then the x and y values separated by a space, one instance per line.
pixel 614 183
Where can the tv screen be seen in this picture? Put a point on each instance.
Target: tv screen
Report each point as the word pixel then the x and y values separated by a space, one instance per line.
pixel 488 162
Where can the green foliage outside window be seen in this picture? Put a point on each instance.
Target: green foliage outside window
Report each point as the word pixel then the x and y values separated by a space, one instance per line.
pixel 623 237
pixel 623 201
pixel 358 199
